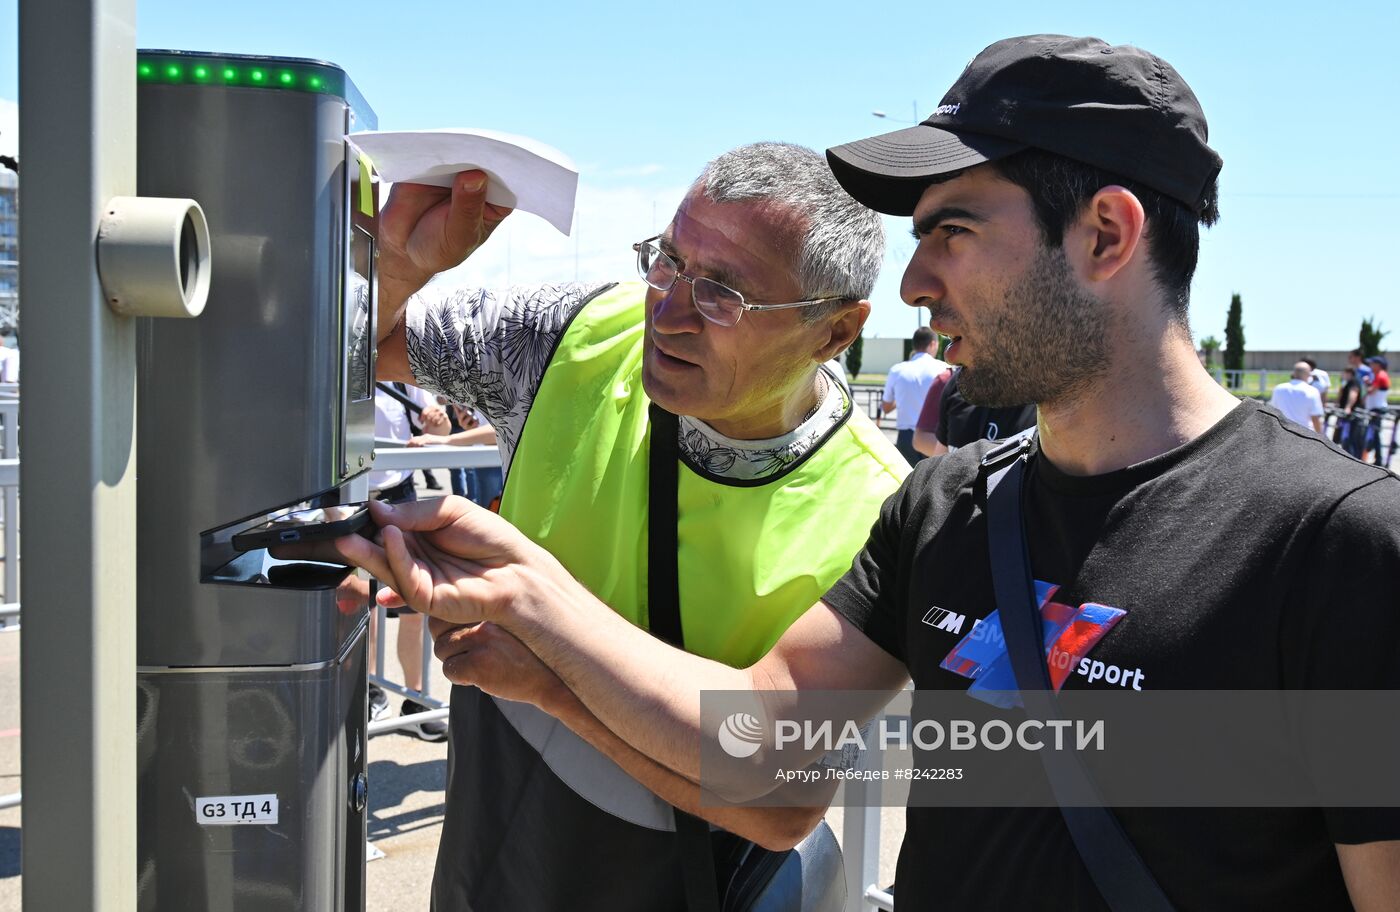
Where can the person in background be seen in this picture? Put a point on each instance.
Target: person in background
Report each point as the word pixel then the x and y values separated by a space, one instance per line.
pixel 907 387
pixel 1364 375
pixel 1350 429
pixel 393 422
pixel 1377 401
pixel 961 423
pixel 481 485
pixel 1298 399
pixel 926 428
pixel 1318 379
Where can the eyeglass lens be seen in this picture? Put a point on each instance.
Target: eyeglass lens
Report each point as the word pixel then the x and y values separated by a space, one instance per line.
pixel 716 302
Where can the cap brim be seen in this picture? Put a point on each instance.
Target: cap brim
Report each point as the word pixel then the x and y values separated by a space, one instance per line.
pixel 888 173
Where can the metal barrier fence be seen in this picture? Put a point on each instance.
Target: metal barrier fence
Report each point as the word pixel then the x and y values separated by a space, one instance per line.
pixel 392 456
pixel 867 398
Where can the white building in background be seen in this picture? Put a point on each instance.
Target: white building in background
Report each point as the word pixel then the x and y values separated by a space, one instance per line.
pixel 9 251
pixel 9 219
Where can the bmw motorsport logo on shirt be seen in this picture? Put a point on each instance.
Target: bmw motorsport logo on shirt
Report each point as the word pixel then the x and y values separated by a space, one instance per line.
pixel 1070 634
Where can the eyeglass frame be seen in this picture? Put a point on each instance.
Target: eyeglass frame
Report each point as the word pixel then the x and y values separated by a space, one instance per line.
pixel 743 305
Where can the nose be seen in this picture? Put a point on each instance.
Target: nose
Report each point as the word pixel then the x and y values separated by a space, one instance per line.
pixel 673 312
pixel 920 286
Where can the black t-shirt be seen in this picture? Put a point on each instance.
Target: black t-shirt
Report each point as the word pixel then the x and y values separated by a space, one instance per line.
pixel 1254 557
pixel 961 423
pixel 1350 395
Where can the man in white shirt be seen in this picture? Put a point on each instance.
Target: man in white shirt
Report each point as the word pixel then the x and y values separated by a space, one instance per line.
pixel 1298 400
pixel 906 387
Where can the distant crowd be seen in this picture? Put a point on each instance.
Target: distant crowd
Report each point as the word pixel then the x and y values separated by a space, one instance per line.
pixel 1360 408
pixel 932 417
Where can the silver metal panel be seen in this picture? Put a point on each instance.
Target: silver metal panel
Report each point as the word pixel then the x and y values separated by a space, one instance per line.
pixel 77 117
pixel 297 735
pixel 242 409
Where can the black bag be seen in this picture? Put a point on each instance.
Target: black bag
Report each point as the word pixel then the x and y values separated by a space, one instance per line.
pixel 1113 861
pixel 723 872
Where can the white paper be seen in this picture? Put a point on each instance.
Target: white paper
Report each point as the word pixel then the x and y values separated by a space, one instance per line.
pixel 521 173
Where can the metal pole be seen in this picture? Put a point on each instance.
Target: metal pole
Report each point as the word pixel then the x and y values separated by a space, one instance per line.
pixel 860 841
pixel 77 65
pixel 11 498
pixel 381 615
pixel 427 659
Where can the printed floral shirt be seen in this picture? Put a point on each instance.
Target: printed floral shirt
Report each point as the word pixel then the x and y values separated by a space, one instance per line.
pixel 489 350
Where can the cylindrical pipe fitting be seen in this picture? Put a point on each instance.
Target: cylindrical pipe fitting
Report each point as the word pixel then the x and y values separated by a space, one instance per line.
pixel 153 256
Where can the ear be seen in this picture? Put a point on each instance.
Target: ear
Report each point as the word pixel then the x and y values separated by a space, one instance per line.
pixel 843 328
pixel 1108 236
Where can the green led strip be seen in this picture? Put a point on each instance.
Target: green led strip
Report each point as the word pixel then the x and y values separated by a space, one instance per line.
pixel 271 74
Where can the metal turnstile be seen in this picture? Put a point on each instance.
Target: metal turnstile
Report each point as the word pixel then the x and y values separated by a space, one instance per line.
pixel 251 677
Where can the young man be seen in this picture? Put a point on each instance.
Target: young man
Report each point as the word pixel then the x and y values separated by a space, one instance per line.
pixel 1377 400
pixel 1056 194
pixel 760 279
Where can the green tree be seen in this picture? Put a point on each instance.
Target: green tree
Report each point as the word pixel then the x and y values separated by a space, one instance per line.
pixel 1371 336
pixel 1211 347
pixel 1234 335
pixel 853 357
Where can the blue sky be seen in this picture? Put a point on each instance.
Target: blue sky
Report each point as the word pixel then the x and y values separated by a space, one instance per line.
pixel 1301 98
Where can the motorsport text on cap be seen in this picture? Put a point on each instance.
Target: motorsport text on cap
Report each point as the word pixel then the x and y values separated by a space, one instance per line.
pixel 1119 109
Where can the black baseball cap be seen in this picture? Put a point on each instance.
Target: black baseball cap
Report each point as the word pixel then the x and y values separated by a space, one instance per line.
pixel 1119 109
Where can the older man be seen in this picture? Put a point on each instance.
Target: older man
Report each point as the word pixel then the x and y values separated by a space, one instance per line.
pixel 1059 258
pixel 760 278
pixel 1298 400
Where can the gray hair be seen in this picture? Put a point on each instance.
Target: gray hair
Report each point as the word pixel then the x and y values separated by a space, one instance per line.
pixel 844 243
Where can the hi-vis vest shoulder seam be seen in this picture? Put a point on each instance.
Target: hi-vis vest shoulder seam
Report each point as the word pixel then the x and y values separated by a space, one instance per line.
pixel 751 558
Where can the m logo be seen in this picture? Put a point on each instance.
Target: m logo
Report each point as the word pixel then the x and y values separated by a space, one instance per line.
pixel 943 619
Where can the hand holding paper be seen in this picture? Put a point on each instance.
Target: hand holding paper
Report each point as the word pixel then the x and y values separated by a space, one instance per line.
pixel 521 173
pixel 424 231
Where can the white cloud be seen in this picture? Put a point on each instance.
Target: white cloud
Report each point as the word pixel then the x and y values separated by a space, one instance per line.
pixel 647 170
pixel 525 250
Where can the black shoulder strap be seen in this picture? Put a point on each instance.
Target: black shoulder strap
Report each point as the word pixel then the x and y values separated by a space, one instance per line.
pixel 397 391
pixel 1113 861
pixel 664 620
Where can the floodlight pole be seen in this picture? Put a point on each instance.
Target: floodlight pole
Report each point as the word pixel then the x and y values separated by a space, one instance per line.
pixel 78 471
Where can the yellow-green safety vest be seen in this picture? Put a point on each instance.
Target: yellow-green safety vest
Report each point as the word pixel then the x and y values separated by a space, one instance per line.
pixel 753 555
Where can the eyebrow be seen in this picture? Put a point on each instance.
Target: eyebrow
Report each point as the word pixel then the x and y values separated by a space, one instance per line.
pixel 925 225
pixel 720 274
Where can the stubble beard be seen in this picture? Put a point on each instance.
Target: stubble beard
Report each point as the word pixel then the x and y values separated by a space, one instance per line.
pixel 1047 342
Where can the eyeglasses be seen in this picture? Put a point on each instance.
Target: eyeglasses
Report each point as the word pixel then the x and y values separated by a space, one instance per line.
pixel 717 303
